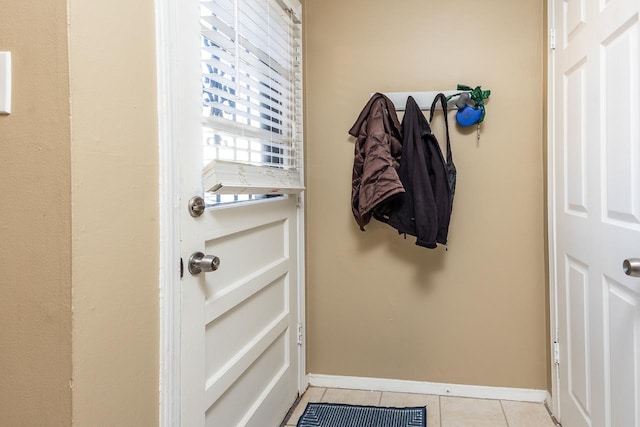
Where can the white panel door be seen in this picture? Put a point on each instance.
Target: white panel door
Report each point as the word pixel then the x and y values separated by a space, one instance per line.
pixel 239 335
pixel 596 210
pixel 239 351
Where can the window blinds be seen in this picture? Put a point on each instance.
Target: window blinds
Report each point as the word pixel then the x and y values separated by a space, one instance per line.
pixel 251 96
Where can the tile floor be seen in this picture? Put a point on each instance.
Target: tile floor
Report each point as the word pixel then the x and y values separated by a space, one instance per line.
pixel 442 411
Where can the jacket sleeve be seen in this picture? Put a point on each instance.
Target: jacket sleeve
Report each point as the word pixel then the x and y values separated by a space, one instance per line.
pixel 380 181
pixel 356 179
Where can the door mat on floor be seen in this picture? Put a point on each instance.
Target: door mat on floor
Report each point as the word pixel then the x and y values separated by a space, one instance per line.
pixel 341 415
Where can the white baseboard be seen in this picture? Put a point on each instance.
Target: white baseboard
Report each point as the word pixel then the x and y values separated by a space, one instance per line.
pixel 419 387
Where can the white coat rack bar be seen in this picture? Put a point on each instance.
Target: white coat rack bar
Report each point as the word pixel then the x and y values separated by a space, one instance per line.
pixel 423 99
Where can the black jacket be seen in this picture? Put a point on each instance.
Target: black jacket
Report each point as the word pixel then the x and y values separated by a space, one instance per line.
pixel 426 207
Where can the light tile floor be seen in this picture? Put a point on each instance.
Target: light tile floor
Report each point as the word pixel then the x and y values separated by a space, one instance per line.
pixel 442 411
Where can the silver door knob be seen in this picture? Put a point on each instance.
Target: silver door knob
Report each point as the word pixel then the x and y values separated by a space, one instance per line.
pixel 631 267
pixel 199 262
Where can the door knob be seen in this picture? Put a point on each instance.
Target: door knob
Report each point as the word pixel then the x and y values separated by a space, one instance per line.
pixel 199 262
pixel 631 267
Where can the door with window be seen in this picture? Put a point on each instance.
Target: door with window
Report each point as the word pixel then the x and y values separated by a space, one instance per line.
pixel 596 210
pixel 239 91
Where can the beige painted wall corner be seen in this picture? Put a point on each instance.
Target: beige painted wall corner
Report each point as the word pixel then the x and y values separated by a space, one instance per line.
pixel 379 306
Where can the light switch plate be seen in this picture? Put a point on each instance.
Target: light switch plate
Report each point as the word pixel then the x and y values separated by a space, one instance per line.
pixel 5 82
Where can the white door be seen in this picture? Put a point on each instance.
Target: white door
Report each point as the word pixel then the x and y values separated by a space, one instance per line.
pixel 595 188
pixel 239 336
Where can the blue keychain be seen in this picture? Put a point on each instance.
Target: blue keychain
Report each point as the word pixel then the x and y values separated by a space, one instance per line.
pixel 469 115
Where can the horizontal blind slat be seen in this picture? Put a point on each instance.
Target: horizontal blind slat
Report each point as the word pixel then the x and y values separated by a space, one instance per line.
pixel 275 95
pixel 273 107
pixel 214 23
pixel 258 24
pixel 273 84
pixel 221 44
pixel 221 123
pixel 272 114
pixel 225 12
pixel 233 115
pixel 273 62
pixel 254 66
pixel 278 105
pixel 231 127
pixel 219 71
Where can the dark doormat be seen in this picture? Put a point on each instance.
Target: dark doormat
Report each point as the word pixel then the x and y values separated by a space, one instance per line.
pixel 341 415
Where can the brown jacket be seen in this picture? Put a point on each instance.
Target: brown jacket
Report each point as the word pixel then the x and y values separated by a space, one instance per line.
pixel 375 181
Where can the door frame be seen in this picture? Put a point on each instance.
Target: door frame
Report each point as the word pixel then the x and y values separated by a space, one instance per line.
pixel 169 215
pixel 551 207
pixel 166 19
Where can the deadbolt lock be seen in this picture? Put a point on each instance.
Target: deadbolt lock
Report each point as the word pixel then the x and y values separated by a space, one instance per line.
pixel 196 206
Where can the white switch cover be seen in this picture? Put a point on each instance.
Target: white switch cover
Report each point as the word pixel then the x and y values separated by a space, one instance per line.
pixel 5 82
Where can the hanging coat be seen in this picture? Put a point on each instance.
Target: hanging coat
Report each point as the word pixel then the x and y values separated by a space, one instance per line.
pixel 375 181
pixel 426 208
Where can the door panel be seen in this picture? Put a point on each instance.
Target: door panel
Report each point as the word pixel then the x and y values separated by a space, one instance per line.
pixel 575 14
pixel 239 350
pixel 577 309
pixel 259 309
pixel 242 318
pixel 620 149
pixel 573 307
pixel 575 148
pixel 622 340
pixel 264 377
pixel 596 210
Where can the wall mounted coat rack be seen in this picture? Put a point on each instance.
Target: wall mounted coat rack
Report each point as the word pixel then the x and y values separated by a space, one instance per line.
pixel 423 99
pixel 467 100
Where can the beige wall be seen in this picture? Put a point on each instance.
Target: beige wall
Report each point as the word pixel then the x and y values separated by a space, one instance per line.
pixel 115 208
pixel 379 306
pixel 35 240
pixel 113 234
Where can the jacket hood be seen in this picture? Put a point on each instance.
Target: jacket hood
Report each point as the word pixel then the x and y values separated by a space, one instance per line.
pixel 355 129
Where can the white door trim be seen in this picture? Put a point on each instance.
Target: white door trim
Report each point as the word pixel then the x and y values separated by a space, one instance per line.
pixel 169 215
pixel 169 226
pixel 551 200
pixel 302 347
pixel 302 305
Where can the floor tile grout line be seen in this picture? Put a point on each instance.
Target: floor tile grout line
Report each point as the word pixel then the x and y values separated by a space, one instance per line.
pixel 504 414
pixel 439 411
